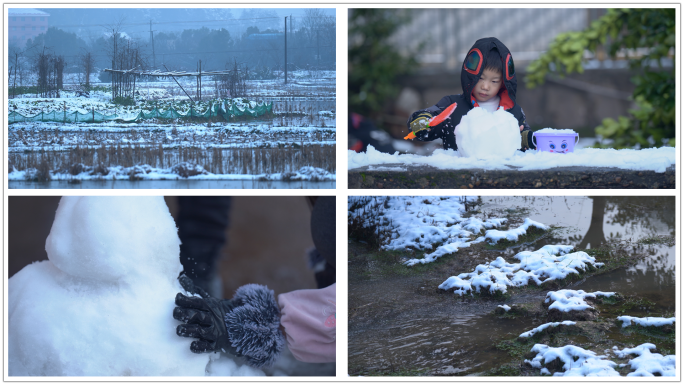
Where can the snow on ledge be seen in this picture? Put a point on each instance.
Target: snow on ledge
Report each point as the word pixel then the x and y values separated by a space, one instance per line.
pixel 649 159
pixel 646 321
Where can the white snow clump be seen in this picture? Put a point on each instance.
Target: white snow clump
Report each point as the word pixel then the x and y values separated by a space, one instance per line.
pixel 539 266
pixel 576 361
pixel 485 135
pixel 102 304
pixel 566 300
pixel 647 363
pixel 542 327
pixel 646 321
pixel 512 234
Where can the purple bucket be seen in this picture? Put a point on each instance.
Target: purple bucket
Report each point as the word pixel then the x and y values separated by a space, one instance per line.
pixel 555 140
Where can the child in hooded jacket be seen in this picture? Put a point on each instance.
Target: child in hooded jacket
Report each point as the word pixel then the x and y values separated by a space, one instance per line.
pixel 489 81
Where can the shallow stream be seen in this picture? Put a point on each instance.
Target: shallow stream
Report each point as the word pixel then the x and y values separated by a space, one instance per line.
pixel 456 338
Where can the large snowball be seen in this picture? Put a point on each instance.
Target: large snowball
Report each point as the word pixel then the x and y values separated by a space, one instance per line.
pixel 485 135
pixel 109 238
pixel 103 304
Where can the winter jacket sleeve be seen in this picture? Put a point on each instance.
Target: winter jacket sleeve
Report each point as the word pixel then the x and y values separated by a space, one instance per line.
pixel 435 132
pixel 526 134
pixel 308 317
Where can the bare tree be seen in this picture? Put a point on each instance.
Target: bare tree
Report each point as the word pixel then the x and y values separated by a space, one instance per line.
pixel 87 62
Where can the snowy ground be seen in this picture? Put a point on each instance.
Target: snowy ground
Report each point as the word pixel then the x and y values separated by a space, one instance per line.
pixel 429 223
pixel 597 319
pixel 297 142
pixel 651 159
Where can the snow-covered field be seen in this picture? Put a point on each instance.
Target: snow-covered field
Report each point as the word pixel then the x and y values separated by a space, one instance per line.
pixel 295 142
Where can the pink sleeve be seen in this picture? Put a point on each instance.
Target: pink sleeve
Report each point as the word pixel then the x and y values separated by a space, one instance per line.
pixel 309 316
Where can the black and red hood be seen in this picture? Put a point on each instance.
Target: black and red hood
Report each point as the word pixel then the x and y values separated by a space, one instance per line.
pixel 475 59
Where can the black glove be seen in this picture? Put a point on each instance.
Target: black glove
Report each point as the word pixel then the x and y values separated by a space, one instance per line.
pixel 419 122
pixel 248 325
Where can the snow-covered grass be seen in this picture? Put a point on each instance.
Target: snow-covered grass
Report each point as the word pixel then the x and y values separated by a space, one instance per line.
pixel 650 159
pixel 646 321
pixel 538 266
pixel 647 364
pixel 566 300
pixel 576 361
pixel 542 327
pixel 513 234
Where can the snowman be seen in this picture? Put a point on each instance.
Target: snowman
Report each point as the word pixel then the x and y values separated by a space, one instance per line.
pixel 102 304
pixel 485 135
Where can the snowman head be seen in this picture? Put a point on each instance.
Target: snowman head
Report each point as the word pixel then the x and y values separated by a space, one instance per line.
pixel 558 146
pixel 109 238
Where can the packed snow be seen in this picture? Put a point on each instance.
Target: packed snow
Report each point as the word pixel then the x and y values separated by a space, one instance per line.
pixel 576 361
pixel 512 234
pixel 422 223
pixel 505 307
pixel 566 300
pixel 646 321
pixel 553 131
pixel 649 159
pixel 485 135
pixel 647 364
pixel 538 266
pixel 102 304
pixel 544 326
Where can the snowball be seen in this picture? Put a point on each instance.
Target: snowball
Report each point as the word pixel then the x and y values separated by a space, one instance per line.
pixel 102 304
pixel 485 135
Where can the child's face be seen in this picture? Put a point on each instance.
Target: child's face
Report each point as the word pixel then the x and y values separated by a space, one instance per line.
pixel 488 86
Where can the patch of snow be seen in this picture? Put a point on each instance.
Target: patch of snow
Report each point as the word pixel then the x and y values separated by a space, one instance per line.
pixel 512 234
pixel 649 159
pixel 505 307
pixel 576 361
pixel 544 326
pixel 647 364
pixel 566 300
pixel 485 135
pixel 538 266
pixel 646 321
pixel 423 223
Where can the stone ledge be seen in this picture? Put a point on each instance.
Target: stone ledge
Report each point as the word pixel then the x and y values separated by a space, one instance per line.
pixel 426 177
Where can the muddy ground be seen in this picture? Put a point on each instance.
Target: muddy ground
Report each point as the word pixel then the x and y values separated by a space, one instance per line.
pixel 400 323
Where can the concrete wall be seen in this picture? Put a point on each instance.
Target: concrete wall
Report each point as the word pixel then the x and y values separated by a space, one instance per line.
pixel 576 102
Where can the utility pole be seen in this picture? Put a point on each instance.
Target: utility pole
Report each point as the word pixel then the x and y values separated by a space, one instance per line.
pixel 285 49
pixel 154 58
pixel 318 51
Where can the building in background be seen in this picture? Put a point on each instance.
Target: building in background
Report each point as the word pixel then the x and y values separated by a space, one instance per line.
pixel 24 24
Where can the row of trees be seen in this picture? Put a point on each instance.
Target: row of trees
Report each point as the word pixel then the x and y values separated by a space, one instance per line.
pixel 310 45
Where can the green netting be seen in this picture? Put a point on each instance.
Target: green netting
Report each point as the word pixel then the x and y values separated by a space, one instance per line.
pixel 225 109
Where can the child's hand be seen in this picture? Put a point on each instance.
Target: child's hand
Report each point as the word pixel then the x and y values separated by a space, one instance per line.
pixel 420 122
pixel 521 128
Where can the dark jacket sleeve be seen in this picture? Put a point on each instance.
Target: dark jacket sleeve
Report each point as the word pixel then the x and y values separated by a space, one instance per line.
pixel 526 134
pixel 435 132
